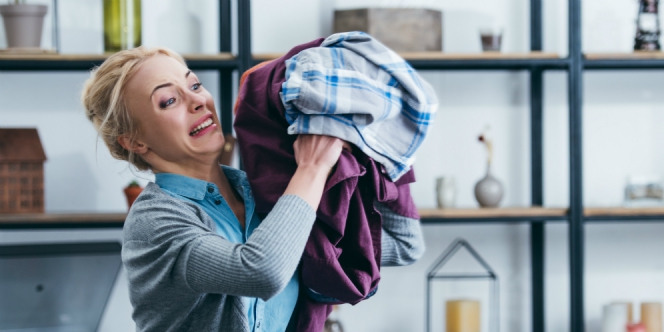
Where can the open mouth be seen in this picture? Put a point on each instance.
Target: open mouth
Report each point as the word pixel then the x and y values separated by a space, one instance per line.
pixel 202 126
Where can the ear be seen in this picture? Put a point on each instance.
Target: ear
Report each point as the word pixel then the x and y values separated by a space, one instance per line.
pixel 135 146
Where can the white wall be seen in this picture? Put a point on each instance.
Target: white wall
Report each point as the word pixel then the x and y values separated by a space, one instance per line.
pixel 622 136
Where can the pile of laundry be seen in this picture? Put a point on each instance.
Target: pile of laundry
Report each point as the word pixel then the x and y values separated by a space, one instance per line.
pixel 350 86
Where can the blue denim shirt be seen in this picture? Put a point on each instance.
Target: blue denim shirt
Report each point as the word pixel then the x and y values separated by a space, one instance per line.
pixel 271 315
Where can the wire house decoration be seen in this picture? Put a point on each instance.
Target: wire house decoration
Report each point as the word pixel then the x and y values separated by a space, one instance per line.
pixel 434 274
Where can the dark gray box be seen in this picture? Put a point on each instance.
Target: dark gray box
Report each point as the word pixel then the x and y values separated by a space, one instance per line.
pixel 401 29
pixel 60 287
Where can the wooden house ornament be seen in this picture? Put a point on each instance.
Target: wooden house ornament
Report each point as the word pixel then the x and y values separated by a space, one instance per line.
pixel 21 171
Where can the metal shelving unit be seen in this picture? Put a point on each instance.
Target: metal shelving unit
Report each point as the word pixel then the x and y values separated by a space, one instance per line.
pixel 536 63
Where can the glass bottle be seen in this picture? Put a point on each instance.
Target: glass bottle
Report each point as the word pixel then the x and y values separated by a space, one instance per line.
pixel 647 26
pixel 122 24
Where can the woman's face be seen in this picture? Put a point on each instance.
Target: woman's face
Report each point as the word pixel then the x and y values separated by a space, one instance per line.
pixel 176 115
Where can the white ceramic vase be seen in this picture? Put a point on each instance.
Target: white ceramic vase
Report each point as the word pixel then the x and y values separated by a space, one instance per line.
pixel 489 191
pixel 445 192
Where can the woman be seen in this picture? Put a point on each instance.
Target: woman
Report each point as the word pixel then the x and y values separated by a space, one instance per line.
pixel 197 257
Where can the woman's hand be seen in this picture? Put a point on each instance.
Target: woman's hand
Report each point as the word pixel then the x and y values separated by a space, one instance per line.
pixel 317 151
pixel 315 155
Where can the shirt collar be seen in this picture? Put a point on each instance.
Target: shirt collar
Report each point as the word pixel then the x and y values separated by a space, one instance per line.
pixel 182 185
pixel 197 189
pixel 236 177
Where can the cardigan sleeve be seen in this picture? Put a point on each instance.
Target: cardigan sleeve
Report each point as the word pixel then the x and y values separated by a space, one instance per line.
pixel 401 241
pixel 178 248
pixel 263 265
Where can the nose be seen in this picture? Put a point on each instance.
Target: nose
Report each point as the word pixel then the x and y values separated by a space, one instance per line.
pixel 197 102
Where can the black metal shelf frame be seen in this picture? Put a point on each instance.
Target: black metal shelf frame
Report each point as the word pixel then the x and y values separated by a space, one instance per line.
pixel 632 218
pixel 48 65
pixel 491 64
pixel 62 225
pixel 576 229
pixel 623 64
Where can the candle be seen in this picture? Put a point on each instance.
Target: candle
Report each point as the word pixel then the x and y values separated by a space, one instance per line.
pixel 630 316
pixel 615 317
pixel 462 316
pixel 651 316
pixel 636 327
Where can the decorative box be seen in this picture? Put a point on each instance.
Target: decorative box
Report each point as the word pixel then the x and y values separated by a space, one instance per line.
pixel 401 29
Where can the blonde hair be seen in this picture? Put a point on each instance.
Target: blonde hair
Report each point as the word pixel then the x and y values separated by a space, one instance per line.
pixel 103 99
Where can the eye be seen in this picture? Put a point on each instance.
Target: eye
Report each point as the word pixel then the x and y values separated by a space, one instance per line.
pixel 167 103
pixel 196 86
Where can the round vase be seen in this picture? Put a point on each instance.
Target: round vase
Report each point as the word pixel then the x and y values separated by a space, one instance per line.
pixel 489 191
pixel 23 25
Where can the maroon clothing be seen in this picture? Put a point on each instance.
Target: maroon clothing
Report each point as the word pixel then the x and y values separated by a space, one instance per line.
pixel 342 257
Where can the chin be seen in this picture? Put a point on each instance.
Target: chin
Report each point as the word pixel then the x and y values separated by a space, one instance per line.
pixel 216 142
pixel 210 143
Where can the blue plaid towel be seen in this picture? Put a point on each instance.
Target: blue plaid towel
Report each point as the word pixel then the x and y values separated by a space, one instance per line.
pixel 356 89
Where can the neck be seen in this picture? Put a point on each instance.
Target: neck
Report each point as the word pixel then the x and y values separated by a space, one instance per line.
pixel 206 169
pixel 208 173
pixel 212 173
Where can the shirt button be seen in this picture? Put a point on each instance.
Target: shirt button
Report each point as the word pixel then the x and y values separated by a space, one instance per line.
pixel 217 202
pixel 258 325
pixel 210 189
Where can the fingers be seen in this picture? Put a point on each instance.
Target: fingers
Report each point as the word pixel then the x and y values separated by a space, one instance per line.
pixel 317 150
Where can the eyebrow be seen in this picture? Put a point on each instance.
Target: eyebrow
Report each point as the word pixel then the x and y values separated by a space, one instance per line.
pixel 167 84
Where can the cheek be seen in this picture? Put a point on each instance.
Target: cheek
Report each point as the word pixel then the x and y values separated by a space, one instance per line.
pixel 165 128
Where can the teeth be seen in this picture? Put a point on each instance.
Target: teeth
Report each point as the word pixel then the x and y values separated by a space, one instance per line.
pixel 200 127
pixel 204 124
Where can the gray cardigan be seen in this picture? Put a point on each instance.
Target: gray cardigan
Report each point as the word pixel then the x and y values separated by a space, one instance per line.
pixel 185 277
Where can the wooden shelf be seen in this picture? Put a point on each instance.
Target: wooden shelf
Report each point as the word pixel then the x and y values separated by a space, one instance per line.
pixel 429 216
pixel 470 61
pixel 632 60
pixel 216 57
pixel 623 213
pixel 638 55
pixel 62 220
pixel 477 56
pixel 52 57
pixel 591 214
pixel 266 56
pixel 106 220
pixel 35 61
pixel 447 56
pixel 485 61
pixel 492 214
pixel 100 57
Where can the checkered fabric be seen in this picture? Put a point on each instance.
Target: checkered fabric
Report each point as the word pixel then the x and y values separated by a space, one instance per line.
pixel 355 88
